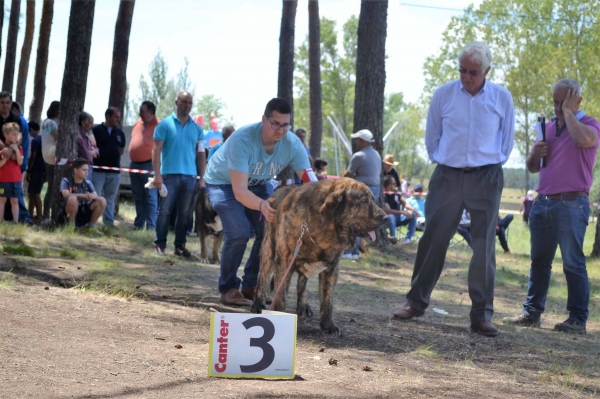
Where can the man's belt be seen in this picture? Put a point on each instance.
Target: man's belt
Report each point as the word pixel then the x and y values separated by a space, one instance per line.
pixel 474 168
pixel 568 196
pixel 150 160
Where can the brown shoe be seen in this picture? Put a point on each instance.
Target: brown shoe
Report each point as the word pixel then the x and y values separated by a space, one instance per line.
pixel 484 328
pixel 407 312
pixel 234 297
pixel 248 293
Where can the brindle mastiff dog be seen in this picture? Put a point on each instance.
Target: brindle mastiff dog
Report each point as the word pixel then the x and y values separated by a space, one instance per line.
pixel 208 224
pixel 336 212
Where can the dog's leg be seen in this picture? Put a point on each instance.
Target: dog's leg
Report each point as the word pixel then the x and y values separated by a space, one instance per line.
pixel 267 264
pixel 216 251
pixel 327 281
pixel 302 308
pixel 202 237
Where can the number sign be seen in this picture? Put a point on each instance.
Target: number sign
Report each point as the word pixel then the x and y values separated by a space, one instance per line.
pixel 252 345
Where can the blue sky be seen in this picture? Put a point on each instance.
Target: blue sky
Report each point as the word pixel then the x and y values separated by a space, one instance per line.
pixel 232 46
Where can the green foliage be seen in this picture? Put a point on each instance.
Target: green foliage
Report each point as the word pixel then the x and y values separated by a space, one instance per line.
pixel 337 81
pixel 210 104
pixel 338 63
pixel 19 249
pixel 162 89
pixel 515 178
pixel 534 43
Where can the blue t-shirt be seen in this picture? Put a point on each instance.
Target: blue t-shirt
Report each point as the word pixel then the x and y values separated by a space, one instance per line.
pixel 417 204
pixel 213 149
pixel 178 155
pixel 244 152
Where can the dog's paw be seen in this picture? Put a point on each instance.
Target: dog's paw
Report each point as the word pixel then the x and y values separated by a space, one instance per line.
pixel 304 310
pixel 331 328
pixel 205 261
pixel 258 306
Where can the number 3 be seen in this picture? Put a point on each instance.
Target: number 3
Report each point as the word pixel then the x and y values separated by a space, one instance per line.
pixel 262 343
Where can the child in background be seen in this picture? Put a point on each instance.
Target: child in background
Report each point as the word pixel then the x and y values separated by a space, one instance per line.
pixel 36 172
pixel 10 171
pixel 320 169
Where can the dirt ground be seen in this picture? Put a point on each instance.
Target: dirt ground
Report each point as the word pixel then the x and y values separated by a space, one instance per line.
pixel 61 340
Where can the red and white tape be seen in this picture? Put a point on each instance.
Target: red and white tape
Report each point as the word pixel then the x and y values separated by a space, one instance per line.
pixel 146 172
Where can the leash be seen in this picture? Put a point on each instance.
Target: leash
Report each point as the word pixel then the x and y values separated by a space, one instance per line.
pixel 303 229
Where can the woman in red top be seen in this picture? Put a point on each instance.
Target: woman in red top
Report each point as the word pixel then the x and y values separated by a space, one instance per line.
pixel 10 171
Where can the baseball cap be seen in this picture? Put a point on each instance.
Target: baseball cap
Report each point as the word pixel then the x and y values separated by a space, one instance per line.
pixel 364 134
pixel 418 187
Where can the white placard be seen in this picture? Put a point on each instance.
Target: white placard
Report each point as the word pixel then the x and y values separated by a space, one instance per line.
pixel 252 345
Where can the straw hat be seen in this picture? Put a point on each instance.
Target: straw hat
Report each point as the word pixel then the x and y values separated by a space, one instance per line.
pixel 389 160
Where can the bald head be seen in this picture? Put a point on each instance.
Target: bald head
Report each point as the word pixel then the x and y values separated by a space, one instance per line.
pixel 184 104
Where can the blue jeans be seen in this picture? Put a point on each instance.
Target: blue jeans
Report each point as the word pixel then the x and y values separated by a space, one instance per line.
pixel 394 221
pixel 181 189
pixel 24 216
pixel 376 190
pixel 107 186
pixel 238 224
pixel 558 223
pixel 146 200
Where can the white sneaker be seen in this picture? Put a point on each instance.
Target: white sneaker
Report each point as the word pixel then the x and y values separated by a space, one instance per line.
pixel 407 240
pixel 355 257
pixel 346 256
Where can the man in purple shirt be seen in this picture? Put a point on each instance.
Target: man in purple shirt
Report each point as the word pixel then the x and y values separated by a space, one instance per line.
pixel 561 211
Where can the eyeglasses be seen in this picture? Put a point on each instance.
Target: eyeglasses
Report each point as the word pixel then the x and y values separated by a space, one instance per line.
pixel 472 72
pixel 277 126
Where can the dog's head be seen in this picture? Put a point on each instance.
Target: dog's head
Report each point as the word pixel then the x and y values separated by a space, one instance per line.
pixel 353 207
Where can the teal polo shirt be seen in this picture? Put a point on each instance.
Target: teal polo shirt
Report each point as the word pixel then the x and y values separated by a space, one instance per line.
pixel 178 156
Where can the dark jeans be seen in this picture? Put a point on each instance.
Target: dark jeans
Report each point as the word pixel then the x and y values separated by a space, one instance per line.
pixel 450 191
pixel 394 221
pixel 181 190
pixel 24 215
pixel 238 224
pixel 556 223
pixel 146 200
pixel 501 231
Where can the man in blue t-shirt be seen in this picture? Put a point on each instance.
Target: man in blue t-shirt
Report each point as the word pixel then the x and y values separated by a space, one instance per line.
pixel 178 156
pixel 238 179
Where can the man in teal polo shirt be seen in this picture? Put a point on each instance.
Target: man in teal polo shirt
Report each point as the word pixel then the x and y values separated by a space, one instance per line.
pixel 178 157
pixel 238 179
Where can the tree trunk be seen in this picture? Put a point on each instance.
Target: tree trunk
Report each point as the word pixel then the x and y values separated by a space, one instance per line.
pixel 314 71
pixel 11 46
pixel 285 82
pixel 41 63
pixel 72 96
pixel 1 23
pixel 26 53
pixel 118 73
pixel 370 69
pixel 370 77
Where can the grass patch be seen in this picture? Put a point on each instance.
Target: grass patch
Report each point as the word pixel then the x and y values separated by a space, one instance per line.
pixel 426 350
pixel 6 281
pixel 70 253
pixel 19 249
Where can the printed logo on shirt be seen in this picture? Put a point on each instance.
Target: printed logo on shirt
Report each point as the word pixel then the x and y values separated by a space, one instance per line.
pixel 261 169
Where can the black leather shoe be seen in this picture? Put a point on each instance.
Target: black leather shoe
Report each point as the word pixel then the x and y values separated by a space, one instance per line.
pixel 407 312
pixel 485 328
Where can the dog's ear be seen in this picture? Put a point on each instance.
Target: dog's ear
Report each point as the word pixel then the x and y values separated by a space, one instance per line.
pixel 335 196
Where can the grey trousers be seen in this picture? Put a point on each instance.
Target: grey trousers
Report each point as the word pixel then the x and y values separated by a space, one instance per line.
pixel 450 191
